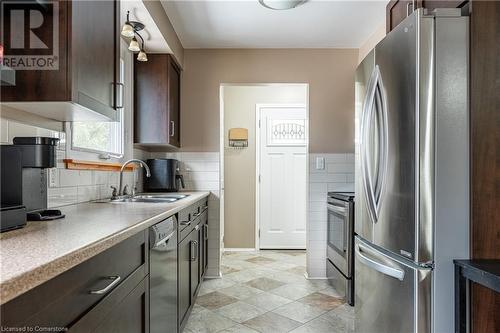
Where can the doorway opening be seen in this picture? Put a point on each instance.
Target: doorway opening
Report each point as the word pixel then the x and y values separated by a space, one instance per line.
pixel 264 183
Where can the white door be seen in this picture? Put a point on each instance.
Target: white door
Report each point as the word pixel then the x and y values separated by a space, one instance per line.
pixel 282 188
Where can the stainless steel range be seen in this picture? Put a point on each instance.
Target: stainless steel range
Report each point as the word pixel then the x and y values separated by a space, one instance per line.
pixel 340 240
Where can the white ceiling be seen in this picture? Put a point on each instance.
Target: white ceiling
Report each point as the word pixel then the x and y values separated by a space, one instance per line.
pixel 247 24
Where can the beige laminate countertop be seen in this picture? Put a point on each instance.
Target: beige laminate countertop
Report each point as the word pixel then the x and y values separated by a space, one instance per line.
pixel 42 250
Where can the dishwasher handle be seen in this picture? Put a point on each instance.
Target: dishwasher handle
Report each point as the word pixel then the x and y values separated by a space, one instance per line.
pixel 162 242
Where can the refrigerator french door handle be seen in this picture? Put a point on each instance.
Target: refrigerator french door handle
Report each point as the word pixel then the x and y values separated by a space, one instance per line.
pixel 379 267
pixel 368 106
pixel 375 104
pixel 381 109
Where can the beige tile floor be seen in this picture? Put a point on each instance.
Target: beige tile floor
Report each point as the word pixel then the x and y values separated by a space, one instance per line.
pixel 266 291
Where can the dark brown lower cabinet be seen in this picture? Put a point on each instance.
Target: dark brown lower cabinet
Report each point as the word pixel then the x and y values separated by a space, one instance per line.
pixel 125 309
pixel 192 257
pixel 90 296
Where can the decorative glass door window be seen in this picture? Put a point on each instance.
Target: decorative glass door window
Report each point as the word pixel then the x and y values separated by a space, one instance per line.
pixel 286 132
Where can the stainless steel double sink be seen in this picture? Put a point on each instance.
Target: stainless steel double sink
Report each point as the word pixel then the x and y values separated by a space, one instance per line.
pixel 151 198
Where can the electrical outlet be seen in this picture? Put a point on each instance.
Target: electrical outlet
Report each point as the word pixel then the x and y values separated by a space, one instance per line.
pixel 320 163
pixel 53 177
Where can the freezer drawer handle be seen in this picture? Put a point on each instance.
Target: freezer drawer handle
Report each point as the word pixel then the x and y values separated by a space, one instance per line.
pixel 384 269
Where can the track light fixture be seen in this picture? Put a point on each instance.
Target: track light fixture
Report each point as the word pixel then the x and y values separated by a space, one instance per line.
pixel 130 30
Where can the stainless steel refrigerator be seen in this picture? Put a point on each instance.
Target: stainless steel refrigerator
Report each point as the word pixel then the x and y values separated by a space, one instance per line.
pixel 412 174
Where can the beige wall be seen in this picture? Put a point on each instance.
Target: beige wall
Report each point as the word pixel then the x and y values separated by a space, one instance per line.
pixel 239 164
pixel 329 73
pixel 370 43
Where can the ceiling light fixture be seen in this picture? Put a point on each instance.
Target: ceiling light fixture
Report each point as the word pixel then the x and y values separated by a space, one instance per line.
pixel 281 4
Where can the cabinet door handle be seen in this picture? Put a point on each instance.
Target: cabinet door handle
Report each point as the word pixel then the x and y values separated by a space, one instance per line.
pixel 206 231
pixel 119 95
pixel 114 282
pixel 194 246
pixel 196 250
pixel 412 4
pixel 197 227
pixel 172 128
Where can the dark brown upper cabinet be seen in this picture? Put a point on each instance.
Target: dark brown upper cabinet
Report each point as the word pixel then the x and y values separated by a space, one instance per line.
pixel 398 10
pixel 157 101
pixel 83 37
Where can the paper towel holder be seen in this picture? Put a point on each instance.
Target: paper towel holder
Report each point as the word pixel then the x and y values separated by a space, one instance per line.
pixel 238 138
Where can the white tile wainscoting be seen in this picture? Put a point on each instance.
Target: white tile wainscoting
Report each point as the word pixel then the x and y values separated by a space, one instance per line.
pixel 337 175
pixel 201 173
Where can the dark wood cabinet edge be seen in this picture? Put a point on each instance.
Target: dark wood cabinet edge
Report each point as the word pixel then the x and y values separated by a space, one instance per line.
pixel 152 147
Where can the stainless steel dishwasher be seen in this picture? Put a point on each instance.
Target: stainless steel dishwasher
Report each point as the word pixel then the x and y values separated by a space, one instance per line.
pixel 163 276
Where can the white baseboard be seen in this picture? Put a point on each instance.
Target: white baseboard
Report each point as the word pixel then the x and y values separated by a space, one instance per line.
pixel 315 278
pixel 239 249
pixel 212 276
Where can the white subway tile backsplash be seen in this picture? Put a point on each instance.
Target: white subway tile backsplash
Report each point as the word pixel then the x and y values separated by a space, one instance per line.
pixel 317 187
pixel 317 216
pixel 87 193
pixel 101 177
pixel 317 197
pixel 210 176
pixel 61 196
pixel 337 176
pixel 328 178
pixel 350 177
pixel 68 178
pixel 340 168
pixel 341 187
pixel 317 206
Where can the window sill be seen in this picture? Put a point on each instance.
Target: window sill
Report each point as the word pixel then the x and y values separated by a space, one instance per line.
pixel 92 165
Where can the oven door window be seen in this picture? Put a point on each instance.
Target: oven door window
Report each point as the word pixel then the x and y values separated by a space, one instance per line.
pixel 337 224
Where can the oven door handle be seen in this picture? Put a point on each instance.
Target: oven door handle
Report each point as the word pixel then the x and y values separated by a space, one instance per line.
pixel 337 209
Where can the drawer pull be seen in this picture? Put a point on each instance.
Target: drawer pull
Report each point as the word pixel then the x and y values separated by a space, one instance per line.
pixel 196 214
pixel 186 222
pixel 115 280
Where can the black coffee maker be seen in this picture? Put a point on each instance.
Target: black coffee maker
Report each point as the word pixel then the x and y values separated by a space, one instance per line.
pixel 24 181
pixel 165 176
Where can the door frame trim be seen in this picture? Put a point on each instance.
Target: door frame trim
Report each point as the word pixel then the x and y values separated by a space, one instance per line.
pixel 258 130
